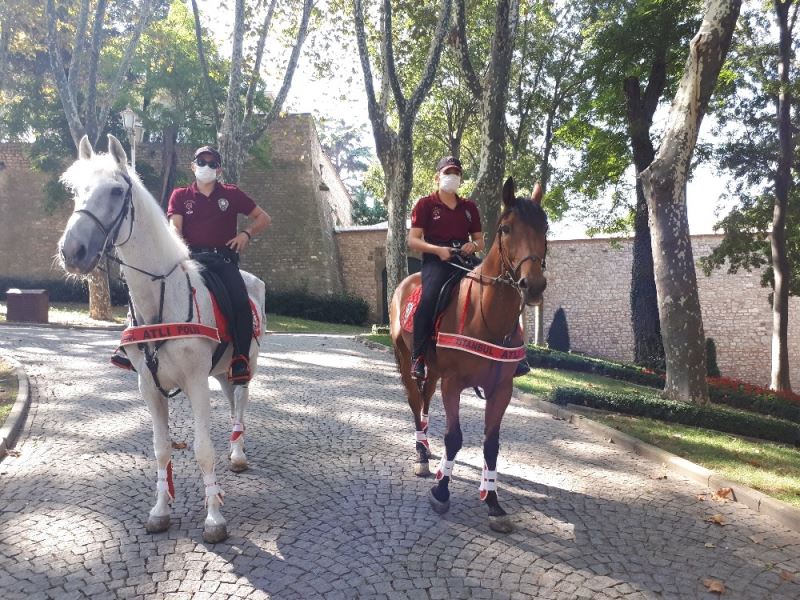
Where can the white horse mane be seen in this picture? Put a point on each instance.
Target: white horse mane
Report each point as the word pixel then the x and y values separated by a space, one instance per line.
pixel 167 244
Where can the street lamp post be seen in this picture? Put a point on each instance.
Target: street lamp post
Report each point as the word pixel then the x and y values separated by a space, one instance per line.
pixel 135 131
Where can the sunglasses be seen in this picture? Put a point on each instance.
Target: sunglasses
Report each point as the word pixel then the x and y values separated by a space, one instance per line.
pixel 202 163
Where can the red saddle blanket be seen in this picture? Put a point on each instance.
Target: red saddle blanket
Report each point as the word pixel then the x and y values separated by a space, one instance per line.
pixel 165 331
pixel 456 341
pixel 407 318
pixel 222 321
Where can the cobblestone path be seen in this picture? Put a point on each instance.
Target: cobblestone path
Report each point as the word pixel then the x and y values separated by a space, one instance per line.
pixel 330 507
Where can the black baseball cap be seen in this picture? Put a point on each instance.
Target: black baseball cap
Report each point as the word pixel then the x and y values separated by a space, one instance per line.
pixel 208 150
pixel 447 162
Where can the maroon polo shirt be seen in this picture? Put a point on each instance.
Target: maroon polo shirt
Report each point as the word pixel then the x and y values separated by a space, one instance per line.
pixel 209 221
pixel 442 224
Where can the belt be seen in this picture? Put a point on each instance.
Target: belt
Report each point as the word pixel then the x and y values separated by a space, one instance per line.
pixel 451 243
pixel 199 250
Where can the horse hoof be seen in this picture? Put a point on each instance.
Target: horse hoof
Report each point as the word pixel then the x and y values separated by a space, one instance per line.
pixel 237 466
pixel 421 469
pixel 157 524
pixel 501 524
pixel 213 534
pixel 438 506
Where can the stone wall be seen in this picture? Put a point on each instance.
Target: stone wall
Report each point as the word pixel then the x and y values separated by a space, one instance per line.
pixel 590 280
pixel 297 251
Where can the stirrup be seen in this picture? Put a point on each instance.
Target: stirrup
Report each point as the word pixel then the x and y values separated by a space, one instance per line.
pixel 523 368
pixel 239 371
pixel 120 359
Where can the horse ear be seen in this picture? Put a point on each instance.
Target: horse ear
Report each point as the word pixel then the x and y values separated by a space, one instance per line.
pixel 85 151
pixel 116 150
pixel 536 195
pixel 508 193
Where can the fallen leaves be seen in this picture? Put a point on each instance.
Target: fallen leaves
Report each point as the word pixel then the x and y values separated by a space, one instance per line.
pixel 723 494
pixel 709 545
pixel 785 575
pixel 714 585
pixel 179 445
pixel 717 519
pixel 13 452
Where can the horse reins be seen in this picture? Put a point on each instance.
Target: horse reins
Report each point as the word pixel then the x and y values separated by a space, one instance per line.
pixel 151 356
pixel 509 276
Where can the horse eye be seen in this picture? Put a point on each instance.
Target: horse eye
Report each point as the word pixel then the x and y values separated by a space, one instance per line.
pixel 117 191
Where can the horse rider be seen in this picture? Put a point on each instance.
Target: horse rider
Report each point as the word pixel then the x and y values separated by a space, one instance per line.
pixel 205 215
pixel 442 224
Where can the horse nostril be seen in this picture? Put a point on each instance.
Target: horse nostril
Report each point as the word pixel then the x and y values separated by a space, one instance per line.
pixel 523 283
pixel 81 253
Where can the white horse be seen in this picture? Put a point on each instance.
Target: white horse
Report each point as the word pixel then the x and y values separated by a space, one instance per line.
pixel 113 208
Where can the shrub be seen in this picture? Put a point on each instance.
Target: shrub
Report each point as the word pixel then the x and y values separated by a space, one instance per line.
pixel 553 359
pixel 711 417
pixel 334 308
pixel 712 368
pixel 380 330
pixel 558 334
pixel 721 390
pixel 63 290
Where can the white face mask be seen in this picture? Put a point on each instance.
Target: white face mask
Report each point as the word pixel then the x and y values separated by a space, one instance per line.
pixel 205 174
pixel 449 183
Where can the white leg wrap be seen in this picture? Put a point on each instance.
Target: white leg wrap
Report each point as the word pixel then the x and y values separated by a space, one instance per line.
pixel 422 437
pixel 445 468
pixel 424 420
pixel 488 482
pixel 213 489
pixel 237 431
pixel 163 483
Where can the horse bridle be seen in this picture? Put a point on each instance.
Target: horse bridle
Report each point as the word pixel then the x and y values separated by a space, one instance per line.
pixel 112 231
pixel 511 273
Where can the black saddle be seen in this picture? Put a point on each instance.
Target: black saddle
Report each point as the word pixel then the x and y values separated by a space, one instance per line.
pixel 467 262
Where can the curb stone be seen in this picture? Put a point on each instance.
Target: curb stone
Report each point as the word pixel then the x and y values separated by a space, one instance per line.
pixel 785 514
pixel 16 418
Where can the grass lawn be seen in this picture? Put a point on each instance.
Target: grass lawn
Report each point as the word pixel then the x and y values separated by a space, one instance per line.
pixel 8 389
pixel 74 313
pixel 380 338
pixel 771 468
pixel 283 324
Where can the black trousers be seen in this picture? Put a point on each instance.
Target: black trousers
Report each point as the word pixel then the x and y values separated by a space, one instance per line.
pixel 434 274
pixel 226 267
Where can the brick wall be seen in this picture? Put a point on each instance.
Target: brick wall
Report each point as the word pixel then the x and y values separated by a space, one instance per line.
pixel 28 236
pixel 590 279
pixel 298 251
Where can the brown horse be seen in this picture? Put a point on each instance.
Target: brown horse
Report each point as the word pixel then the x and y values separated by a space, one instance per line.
pixel 485 307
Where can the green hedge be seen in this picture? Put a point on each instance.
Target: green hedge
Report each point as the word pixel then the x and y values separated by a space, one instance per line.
pixel 766 404
pixel 762 403
pixel 553 359
pixel 334 308
pixel 63 290
pixel 711 417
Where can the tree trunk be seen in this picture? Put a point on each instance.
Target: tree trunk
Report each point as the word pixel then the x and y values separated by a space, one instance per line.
pixel 779 379
pixel 99 293
pixel 398 190
pixel 230 132
pixel 395 149
pixel 648 348
pixel 494 99
pixel 664 184
pixel 169 164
